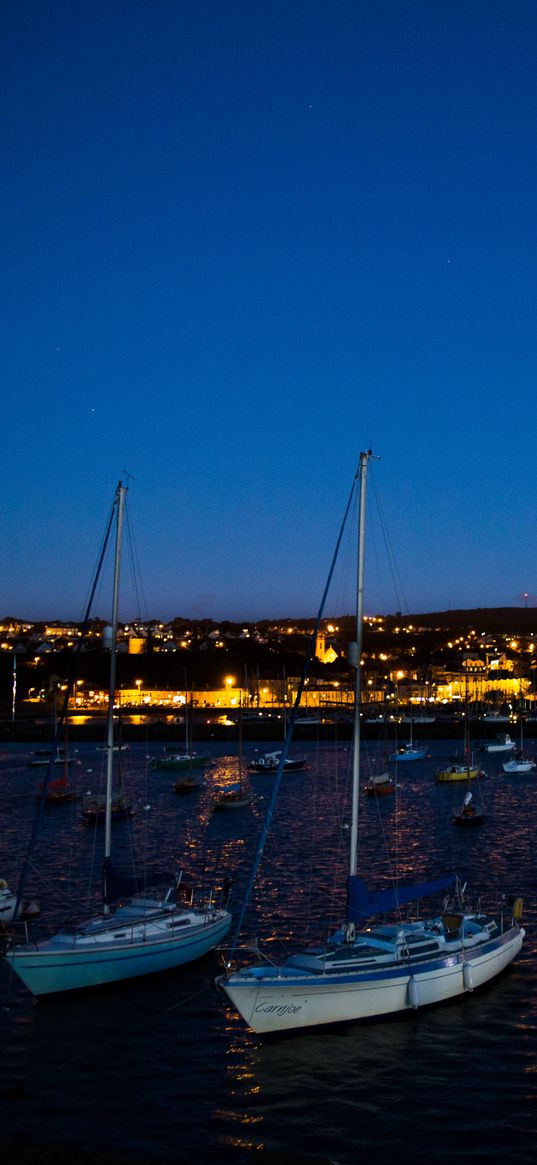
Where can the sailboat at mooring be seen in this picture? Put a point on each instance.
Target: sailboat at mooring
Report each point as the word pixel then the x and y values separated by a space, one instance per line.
pixel 234 794
pixel 366 969
pixel 141 935
pixel 519 763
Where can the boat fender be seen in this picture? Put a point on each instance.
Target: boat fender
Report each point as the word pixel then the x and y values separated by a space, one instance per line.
pixel 350 932
pixel 517 909
pixel 413 993
pixel 468 977
pixel 3 884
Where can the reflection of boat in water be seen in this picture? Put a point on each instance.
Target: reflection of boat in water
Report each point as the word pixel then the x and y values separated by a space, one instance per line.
pixel 270 761
pixel 383 968
pixel 141 935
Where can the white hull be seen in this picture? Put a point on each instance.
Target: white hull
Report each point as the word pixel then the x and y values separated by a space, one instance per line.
pixel 291 1001
pixel 502 744
pixel 519 766
pixel 8 903
pixel 95 955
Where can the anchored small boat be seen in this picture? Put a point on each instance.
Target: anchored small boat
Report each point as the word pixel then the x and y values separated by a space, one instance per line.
pixel 379 785
pixel 469 814
pixel 270 761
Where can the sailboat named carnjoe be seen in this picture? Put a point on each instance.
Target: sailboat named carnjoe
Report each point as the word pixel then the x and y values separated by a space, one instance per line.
pixel 378 969
pixel 141 935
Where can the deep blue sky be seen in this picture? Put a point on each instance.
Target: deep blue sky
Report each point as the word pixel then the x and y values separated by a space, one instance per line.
pixel 240 242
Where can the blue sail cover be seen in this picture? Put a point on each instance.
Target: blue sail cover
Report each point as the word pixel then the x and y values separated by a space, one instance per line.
pixel 363 903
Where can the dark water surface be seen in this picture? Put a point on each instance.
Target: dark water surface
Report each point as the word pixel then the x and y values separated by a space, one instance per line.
pixel 163 1070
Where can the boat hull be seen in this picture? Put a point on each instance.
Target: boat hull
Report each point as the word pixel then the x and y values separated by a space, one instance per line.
pixel 408 754
pixel 181 762
pixel 81 960
pixel 228 803
pixel 383 789
pixel 458 773
pixel 290 766
pixel 287 1001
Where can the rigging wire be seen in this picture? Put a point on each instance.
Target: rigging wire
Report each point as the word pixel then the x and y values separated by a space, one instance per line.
pixel 401 602
pixel 290 730
pixel 62 718
pixel 132 551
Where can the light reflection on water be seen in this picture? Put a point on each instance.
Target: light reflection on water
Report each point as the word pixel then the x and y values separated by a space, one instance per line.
pixel 165 1067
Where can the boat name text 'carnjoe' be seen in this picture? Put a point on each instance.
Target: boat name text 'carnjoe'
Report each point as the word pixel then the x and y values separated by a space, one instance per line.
pixel 279 1008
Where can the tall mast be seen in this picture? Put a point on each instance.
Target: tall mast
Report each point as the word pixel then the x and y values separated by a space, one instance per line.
pixel 355 658
pixel 120 507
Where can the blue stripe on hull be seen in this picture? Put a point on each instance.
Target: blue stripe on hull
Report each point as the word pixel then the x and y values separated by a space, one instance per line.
pixel 276 1003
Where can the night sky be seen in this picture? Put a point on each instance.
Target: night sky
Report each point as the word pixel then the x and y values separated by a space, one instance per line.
pixel 242 241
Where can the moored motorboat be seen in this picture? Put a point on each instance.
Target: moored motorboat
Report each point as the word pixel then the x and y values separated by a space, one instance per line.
pixel 268 763
pixel 501 743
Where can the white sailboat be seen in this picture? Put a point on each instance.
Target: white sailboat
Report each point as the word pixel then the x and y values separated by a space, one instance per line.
pixel 141 935
pixel 378 969
pixel 519 763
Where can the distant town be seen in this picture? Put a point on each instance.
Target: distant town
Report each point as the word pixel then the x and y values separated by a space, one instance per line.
pixel 420 664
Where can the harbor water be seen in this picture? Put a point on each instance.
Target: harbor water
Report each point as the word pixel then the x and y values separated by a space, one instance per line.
pixel 163 1069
